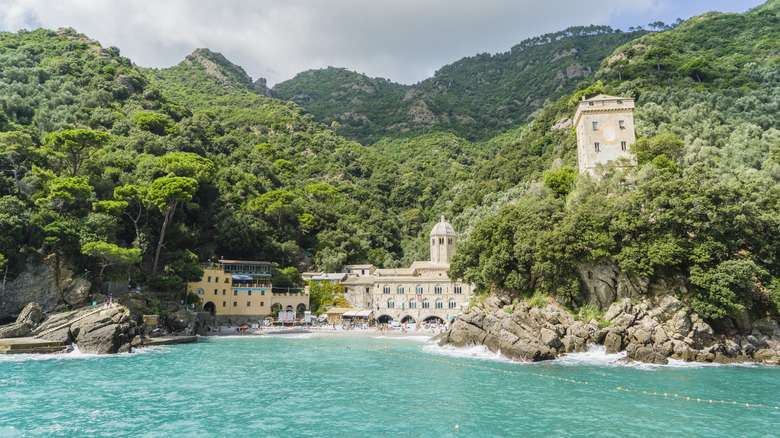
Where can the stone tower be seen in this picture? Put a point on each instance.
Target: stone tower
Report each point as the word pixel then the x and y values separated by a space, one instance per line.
pixel 605 130
pixel 443 241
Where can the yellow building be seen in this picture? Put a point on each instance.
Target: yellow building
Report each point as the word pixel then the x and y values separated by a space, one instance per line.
pixel 605 130
pixel 240 290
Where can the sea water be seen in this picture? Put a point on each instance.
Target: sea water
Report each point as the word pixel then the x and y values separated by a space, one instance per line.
pixel 379 386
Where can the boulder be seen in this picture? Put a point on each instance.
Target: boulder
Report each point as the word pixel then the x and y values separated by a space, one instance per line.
pixel 99 339
pixel 550 338
pixel 31 316
pixel 647 354
pixel 702 334
pixel 767 327
pixel 613 341
pixel 666 307
pixel 680 323
pixel 14 330
pixel 640 336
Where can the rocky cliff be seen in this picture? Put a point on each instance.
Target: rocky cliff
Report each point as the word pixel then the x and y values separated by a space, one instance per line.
pixel 44 285
pixel 654 330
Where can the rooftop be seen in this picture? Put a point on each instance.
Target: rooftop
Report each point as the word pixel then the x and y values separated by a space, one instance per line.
pixel 443 228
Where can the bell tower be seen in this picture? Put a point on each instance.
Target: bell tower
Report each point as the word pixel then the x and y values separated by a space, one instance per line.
pixel 443 241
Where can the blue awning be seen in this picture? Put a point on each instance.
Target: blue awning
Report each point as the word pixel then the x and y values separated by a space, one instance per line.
pixel 242 277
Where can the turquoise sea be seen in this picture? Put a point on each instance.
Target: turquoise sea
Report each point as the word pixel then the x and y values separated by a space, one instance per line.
pixel 302 385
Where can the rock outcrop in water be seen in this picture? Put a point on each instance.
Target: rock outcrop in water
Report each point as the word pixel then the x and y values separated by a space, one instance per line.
pixel 652 331
pixel 96 330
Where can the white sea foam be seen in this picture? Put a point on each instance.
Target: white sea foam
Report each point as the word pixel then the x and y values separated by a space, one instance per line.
pixel 479 352
pixel 593 355
pixel 597 355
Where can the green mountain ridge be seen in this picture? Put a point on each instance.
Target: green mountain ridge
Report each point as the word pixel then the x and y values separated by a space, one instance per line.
pixel 475 98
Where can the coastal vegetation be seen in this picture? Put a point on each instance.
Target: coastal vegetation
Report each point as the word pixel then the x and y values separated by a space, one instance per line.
pixel 111 168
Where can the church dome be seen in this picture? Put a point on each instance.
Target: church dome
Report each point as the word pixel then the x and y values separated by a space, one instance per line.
pixel 443 229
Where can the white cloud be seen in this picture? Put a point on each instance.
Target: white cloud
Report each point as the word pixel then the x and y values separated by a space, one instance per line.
pixel 402 40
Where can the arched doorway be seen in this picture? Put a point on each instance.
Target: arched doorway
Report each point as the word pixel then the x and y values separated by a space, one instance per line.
pixel 407 319
pixel 384 319
pixel 210 307
pixel 300 309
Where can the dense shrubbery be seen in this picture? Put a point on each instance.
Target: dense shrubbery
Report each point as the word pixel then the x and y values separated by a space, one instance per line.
pixel 703 205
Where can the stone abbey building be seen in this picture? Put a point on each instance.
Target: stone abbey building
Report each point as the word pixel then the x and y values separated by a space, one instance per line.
pixel 421 292
pixel 605 131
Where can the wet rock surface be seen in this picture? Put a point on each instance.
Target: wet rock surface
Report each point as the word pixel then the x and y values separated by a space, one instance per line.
pixel 652 331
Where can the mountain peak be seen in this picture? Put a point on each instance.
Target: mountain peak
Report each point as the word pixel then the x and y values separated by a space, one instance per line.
pixel 219 67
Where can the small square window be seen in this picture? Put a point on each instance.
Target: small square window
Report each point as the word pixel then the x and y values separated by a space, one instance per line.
pixel 235 303
pixel 249 304
pixel 262 303
pixel 235 292
pixel 622 124
pixel 596 146
pixel 595 126
pixel 209 279
pixel 249 293
pixel 623 146
pixel 224 303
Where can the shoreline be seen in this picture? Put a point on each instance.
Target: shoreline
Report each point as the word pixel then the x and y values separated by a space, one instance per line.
pixel 325 332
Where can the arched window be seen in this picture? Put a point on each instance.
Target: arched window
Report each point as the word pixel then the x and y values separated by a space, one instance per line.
pixel 439 304
pixel 426 304
pixel 412 304
pixel 452 304
pixel 390 304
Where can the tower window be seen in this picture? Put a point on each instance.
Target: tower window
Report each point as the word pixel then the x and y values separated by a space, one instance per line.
pixel 441 241
pixel 622 124
pixel 449 241
pixel 596 146
pixel 623 145
pixel 595 126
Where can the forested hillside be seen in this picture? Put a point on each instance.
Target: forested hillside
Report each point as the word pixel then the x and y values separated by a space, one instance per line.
pixel 110 168
pixel 475 98
pixel 700 212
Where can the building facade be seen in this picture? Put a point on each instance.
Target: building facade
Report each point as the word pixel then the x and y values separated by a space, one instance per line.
pixel 241 290
pixel 422 292
pixel 605 131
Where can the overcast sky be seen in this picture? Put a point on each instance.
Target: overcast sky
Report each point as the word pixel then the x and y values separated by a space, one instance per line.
pixel 405 41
